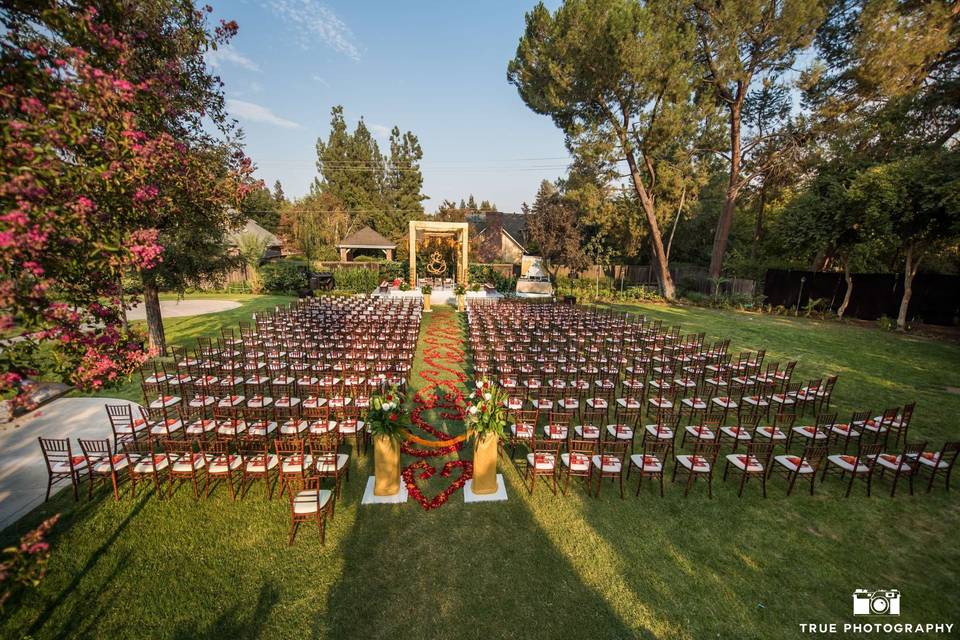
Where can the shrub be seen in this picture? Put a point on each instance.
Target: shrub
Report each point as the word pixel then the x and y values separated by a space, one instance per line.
pixel 393 270
pixel 482 274
pixel 285 276
pixel 356 280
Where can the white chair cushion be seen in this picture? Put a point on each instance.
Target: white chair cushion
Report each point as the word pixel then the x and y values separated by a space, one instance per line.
pixel 294 426
pixel 541 461
pixel 261 428
pixel 701 432
pixel 580 462
pixel 587 432
pixel 556 431
pixel 262 463
pixel 120 461
pixel 620 431
pixel 771 432
pixel 189 462
pixel 168 426
pixel 793 462
pixel 351 426
pixel 736 432
pixel 845 430
pixel 296 463
pixel 149 464
pixel 659 432
pixel 846 463
pixel 311 501
pixel 322 426
pixel 694 403
pixel 327 463
pixel 745 462
pixel 647 464
pixel 222 464
pixel 522 430
pixel 609 464
pixel 724 401
pixel 79 462
pixel 202 426
pixel 892 462
pixel 810 431
pixel 258 402
pixel 932 459
pixel 697 464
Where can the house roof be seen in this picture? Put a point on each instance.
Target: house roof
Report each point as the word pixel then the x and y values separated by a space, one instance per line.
pixel 252 228
pixel 513 226
pixel 366 238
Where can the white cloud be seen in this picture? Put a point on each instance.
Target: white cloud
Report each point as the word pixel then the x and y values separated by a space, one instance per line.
pixel 314 21
pixel 256 87
pixel 257 113
pixel 379 130
pixel 216 57
pixel 320 79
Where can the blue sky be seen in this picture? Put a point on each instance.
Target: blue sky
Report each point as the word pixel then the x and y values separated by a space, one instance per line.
pixel 435 68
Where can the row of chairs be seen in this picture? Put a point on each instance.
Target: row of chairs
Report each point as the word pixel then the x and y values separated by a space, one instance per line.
pixel 592 461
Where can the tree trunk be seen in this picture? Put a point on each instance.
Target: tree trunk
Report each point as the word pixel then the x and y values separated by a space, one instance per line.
pixel 846 296
pixel 151 304
pixel 730 201
pixel 660 260
pixel 909 271
pixel 758 224
pixel 676 221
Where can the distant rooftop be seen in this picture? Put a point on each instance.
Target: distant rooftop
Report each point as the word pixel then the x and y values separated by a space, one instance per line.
pixel 366 238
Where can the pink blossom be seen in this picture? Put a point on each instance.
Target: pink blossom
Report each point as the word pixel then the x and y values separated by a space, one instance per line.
pixel 145 194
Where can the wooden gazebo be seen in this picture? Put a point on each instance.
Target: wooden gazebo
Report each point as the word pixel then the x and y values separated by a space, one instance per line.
pixel 365 238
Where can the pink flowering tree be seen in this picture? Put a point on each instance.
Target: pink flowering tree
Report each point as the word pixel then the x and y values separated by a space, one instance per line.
pixel 117 158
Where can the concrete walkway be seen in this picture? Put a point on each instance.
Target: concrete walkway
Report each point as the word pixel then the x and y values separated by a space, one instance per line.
pixel 182 308
pixel 23 474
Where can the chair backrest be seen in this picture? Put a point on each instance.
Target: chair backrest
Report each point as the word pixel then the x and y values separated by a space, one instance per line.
pixel 906 415
pixel 658 449
pixel 56 450
pixel 614 448
pixel 814 455
pixel 909 459
pixel 288 447
pixel 784 421
pixel 867 454
pixel 214 448
pixel 826 420
pixel 96 451
pixel 762 451
pixel 587 447
pixel 708 451
pixel 949 453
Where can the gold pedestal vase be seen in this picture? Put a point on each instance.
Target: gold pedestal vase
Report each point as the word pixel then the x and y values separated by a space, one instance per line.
pixel 386 465
pixel 485 464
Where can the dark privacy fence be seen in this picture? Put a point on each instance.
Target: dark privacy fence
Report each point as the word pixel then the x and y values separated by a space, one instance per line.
pixel 935 300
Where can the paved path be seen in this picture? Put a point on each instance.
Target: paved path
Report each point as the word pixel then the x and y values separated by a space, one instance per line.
pixel 23 474
pixel 181 308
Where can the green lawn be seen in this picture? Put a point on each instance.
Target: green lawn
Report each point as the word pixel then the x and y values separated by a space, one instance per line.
pixel 540 566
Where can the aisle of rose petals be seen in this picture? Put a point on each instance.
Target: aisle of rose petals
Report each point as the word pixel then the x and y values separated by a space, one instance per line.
pixel 443 358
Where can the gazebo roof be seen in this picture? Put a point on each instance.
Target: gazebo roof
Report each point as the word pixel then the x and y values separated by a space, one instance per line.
pixel 366 238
